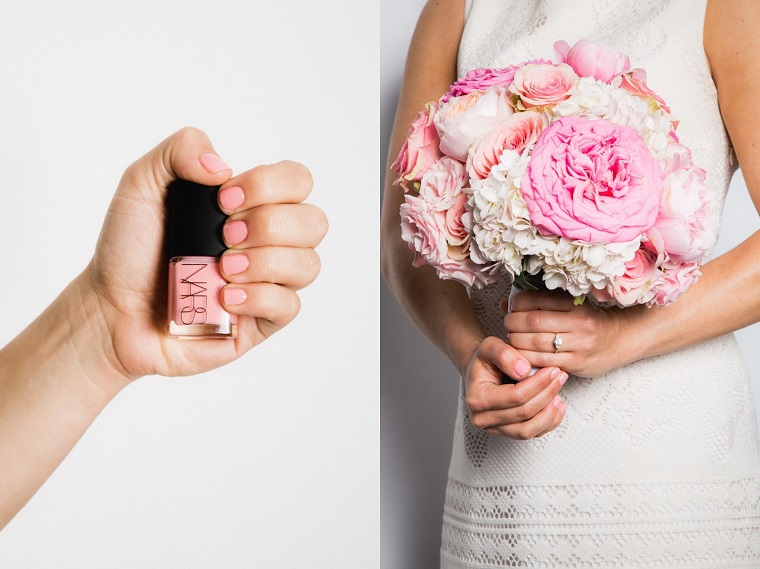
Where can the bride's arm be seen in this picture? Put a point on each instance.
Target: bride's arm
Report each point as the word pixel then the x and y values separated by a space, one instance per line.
pixel 441 309
pixel 727 296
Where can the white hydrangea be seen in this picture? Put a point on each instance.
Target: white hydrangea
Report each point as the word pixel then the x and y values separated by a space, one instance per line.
pixel 596 99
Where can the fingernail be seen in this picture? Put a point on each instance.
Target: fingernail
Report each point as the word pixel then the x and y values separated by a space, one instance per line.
pixel 234 263
pixel 563 379
pixel 212 163
pixel 555 373
pixel 557 401
pixel 235 232
pixel 563 409
pixel 522 367
pixel 234 296
pixel 231 198
pixel 503 305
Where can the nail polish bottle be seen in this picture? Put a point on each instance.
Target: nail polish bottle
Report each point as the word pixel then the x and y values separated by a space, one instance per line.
pixel 194 233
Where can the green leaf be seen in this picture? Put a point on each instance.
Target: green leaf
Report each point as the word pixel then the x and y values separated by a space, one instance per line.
pixel 578 300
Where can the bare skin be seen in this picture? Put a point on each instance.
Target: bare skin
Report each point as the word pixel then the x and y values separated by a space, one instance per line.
pixel 594 339
pixel 108 326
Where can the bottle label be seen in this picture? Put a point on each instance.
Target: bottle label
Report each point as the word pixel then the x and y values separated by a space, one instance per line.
pixel 193 293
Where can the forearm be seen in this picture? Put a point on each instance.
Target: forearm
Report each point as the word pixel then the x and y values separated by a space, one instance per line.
pixel 441 310
pixel 723 300
pixel 54 381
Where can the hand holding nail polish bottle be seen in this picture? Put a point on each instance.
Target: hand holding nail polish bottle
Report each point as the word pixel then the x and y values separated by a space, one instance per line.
pixel 195 244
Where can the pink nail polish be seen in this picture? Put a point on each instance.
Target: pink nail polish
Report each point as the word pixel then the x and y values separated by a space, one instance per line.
pixel 563 379
pixel 522 367
pixel 234 296
pixel 235 232
pixel 195 283
pixel 557 401
pixel 212 163
pixel 231 198
pixel 234 263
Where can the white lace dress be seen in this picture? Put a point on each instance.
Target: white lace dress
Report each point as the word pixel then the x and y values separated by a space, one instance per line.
pixel 657 463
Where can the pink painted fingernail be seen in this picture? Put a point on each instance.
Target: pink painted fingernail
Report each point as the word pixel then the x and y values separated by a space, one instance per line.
pixel 234 263
pixel 235 232
pixel 563 379
pixel 231 198
pixel 234 296
pixel 212 163
pixel 557 401
pixel 554 373
pixel 522 367
pixel 563 409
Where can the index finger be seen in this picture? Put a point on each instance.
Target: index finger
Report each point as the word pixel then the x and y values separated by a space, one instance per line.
pixel 514 395
pixel 283 183
pixel 559 301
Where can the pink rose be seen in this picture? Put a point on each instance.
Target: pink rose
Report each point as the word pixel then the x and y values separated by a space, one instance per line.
pixel 457 235
pixel 675 279
pixel 466 272
pixel 420 150
pixel 592 180
pixel 423 229
pixel 481 79
pixel 593 59
pixel 463 120
pixel 631 287
pixel 542 85
pixel 515 133
pixel 442 183
pixel 685 219
pixel 635 82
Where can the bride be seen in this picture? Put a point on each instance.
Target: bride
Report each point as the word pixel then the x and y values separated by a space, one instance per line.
pixel 635 445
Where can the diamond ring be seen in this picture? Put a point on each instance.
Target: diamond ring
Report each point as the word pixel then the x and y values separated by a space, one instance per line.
pixel 557 343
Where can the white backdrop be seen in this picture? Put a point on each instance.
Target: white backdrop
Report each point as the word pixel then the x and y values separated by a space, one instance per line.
pixel 419 386
pixel 273 460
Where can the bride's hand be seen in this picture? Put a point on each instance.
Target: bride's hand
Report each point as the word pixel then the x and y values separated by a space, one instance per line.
pixel 593 338
pixel 530 408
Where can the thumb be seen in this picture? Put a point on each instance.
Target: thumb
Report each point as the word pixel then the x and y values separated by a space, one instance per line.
pixel 503 359
pixel 186 154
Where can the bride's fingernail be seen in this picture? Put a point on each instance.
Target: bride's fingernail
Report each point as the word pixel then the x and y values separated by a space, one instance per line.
pixel 522 367
pixel 231 198
pixel 234 296
pixel 563 379
pixel 563 409
pixel 503 305
pixel 212 163
pixel 557 401
pixel 235 232
pixel 555 373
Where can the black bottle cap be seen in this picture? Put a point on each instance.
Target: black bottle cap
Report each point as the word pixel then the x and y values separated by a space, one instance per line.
pixel 194 225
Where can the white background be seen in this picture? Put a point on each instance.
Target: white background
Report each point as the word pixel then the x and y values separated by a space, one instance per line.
pixel 272 461
pixel 419 385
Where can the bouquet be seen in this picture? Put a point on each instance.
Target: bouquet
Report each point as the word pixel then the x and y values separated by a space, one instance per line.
pixel 570 174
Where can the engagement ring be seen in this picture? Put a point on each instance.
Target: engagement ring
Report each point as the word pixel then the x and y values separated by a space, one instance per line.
pixel 557 343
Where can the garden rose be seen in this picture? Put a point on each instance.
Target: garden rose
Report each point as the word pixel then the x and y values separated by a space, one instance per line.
pixel 592 180
pixel 456 234
pixel 420 150
pixel 442 183
pixel 593 59
pixel 463 120
pixel 516 133
pixel 674 281
pixel 481 79
pixel 542 85
pixel 633 285
pixel 423 229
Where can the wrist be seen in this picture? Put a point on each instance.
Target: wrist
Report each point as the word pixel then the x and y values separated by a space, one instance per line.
pixel 461 343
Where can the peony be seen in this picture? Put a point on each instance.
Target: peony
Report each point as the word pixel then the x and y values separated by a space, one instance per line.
pixel 685 221
pixel 593 59
pixel 517 132
pixel 593 181
pixel 462 120
pixel 674 281
pixel 420 150
pixel 481 79
pixel 542 85
pixel 423 229
pixel 442 183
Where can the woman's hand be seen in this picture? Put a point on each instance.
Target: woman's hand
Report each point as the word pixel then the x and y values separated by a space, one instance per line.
pixel 271 236
pixel 592 337
pixel 530 408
